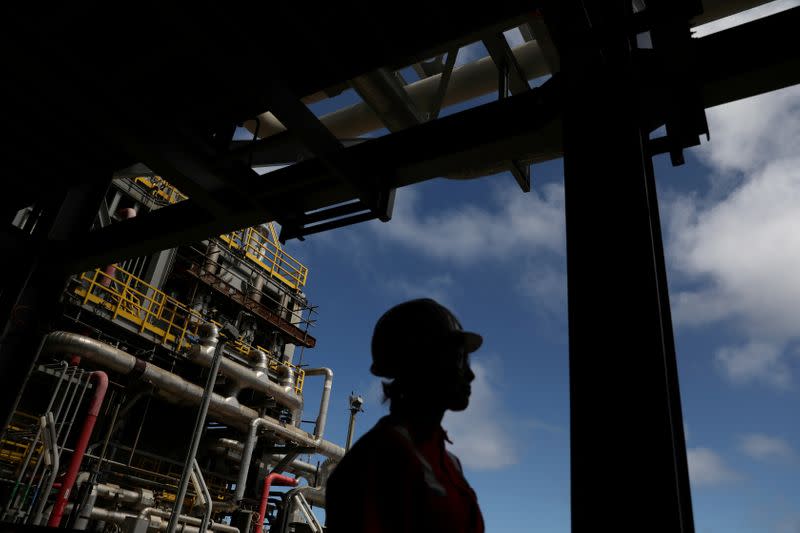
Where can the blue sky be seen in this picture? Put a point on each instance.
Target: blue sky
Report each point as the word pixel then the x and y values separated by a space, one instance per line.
pixel 496 256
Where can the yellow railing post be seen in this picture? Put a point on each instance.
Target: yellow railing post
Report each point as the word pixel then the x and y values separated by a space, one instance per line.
pixel 121 296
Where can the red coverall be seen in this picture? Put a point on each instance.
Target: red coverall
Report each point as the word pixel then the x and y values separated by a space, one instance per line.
pixel 388 483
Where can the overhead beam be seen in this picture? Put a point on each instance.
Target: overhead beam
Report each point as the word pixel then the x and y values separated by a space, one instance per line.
pixel 506 63
pixel 406 157
pixel 526 127
pixel 382 91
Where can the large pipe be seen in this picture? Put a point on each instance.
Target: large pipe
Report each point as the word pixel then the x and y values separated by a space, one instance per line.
pixel 314 495
pixel 468 81
pixel 176 389
pixel 245 378
pixel 101 386
pixel 139 497
pixel 269 480
pixel 322 418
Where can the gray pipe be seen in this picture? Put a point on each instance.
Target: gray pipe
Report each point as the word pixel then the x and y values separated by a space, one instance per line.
pixel 466 82
pixel 176 389
pixel 211 264
pixel 206 496
pixel 246 378
pixel 52 440
pixel 260 360
pixel 208 341
pixel 118 517
pixel 300 499
pixel 322 418
pixel 139 497
pixel 301 468
pixel 314 495
pixel 322 446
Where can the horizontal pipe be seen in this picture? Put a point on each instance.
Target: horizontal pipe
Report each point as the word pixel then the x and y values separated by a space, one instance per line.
pixel 189 523
pixel 322 446
pixel 109 491
pixel 466 82
pixel 176 389
pixel 298 467
pixel 244 377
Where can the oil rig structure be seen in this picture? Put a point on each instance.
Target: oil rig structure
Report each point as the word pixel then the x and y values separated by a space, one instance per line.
pixel 157 340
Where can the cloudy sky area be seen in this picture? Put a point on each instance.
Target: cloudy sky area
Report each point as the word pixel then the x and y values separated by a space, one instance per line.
pixel 731 220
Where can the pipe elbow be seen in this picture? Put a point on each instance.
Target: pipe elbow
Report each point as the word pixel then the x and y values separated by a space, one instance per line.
pixel 260 361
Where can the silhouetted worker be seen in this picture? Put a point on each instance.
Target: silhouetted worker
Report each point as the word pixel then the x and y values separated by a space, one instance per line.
pixel 398 477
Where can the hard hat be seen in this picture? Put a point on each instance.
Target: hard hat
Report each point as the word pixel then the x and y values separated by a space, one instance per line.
pixel 413 327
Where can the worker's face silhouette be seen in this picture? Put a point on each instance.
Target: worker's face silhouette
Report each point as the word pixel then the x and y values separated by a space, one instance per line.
pixel 457 377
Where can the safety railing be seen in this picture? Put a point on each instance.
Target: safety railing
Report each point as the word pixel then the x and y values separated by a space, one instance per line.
pixel 14 450
pixel 168 321
pixel 161 188
pixel 260 246
pixel 262 250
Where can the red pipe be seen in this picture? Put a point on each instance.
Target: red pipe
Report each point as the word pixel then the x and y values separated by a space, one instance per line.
pixel 271 479
pixel 100 387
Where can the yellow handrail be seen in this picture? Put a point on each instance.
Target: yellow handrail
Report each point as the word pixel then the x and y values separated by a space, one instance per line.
pixel 170 322
pixel 264 252
pixel 260 248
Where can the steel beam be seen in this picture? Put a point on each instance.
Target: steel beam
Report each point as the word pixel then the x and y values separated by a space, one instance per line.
pixel 506 63
pixel 627 446
pixel 527 127
pixel 383 92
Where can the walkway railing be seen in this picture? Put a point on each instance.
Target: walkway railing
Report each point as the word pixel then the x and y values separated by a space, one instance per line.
pixel 259 245
pixel 164 319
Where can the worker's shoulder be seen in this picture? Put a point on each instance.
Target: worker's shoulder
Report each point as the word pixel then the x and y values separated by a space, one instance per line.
pixel 381 446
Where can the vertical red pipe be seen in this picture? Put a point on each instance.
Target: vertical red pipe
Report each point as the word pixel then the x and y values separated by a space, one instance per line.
pixel 100 387
pixel 111 270
pixel 271 479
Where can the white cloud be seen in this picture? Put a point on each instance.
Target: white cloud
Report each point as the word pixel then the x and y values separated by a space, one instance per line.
pixel 788 524
pixel 766 448
pixel 482 437
pixel 438 287
pixel 546 284
pixel 739 245
pixel 518 223
pixel 762 11
pixel 758 362
pixel 707 468
pixel 747 135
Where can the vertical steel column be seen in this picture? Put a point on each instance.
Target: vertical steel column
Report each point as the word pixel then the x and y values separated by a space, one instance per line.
pixel 628 454
pixel 36 280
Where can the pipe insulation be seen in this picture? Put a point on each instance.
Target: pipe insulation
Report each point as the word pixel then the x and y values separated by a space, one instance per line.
pixel 468 81
pixel 175 389
pixel 189 524
pixel 245 378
